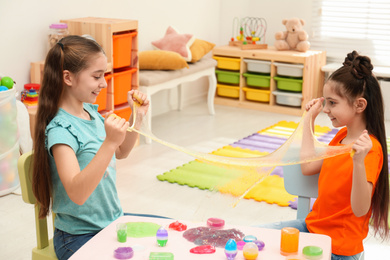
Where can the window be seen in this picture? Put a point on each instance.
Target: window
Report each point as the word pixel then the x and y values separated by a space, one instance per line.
pixel 340 26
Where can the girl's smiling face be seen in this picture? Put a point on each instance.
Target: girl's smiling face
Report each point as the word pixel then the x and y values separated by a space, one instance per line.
pixel 90 81
pixel 338 108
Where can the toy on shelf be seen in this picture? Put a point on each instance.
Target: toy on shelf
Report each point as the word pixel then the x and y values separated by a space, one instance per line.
pixel 294 37
pixel 251 33
pixel 31 99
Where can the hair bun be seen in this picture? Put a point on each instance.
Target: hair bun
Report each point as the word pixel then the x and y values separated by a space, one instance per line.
pixel 361 66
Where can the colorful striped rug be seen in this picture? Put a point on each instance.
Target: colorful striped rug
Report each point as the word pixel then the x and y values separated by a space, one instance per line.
pixel 200 175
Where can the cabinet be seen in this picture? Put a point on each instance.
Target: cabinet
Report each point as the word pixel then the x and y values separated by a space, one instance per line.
pixel 268 89
pixel 119 39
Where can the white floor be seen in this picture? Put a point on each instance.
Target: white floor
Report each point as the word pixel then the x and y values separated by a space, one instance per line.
pixel 141 192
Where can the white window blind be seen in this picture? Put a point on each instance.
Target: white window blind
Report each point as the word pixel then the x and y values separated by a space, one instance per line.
pixel 340 26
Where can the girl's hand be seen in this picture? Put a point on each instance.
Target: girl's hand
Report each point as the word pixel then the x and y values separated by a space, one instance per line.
pixel 141 99
pixel 315 106
pixel 116 128
pixel 362 146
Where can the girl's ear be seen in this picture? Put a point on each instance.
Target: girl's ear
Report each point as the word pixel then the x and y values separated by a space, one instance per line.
pixel 67 76
pixel 361 104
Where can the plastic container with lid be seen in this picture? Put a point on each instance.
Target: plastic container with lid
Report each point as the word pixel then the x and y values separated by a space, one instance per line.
pixel 57 32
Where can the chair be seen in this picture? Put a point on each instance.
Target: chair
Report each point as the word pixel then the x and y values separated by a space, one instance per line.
pixel 305 187
pixel 45 248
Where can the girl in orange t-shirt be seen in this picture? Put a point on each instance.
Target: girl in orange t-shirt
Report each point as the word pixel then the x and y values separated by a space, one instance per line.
pixel 352 189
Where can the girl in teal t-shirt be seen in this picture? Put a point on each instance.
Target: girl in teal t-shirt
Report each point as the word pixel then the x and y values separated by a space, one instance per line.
pixel 75 148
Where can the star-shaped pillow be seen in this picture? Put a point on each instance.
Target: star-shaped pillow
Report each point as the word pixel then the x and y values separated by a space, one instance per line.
pixel 174 41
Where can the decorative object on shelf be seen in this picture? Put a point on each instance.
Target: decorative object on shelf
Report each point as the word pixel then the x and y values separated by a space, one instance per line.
pixel 251 33
pixel 294 38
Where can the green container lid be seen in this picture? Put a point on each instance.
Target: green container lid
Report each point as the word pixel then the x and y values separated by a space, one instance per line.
pixel 312 252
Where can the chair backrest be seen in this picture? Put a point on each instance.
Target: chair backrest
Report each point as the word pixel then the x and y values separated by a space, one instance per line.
pixel 305 187
pixel 25 164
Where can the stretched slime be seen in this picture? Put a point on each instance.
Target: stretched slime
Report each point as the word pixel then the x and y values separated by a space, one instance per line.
pixel 251 171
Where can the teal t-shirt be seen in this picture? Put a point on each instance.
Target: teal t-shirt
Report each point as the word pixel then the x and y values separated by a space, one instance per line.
pixel 85 138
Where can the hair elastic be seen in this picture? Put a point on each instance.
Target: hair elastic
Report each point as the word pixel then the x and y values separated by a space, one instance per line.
pixel 61 45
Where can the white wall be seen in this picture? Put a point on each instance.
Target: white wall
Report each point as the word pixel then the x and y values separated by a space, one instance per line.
pixel 24 26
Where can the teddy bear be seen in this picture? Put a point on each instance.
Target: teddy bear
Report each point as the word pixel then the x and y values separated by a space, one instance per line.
pixel 295 38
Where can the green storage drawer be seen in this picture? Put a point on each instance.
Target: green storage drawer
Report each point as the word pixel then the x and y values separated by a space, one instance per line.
pixel 289 84
pixel 256 80
pixel 228 77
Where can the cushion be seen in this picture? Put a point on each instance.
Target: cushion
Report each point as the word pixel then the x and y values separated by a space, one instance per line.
pixel 174 41
pixel 161 60
pixel 154 77
pixel 200 48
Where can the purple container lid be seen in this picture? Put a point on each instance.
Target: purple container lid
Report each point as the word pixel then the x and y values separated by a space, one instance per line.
pixel 58 26
pixel 123 253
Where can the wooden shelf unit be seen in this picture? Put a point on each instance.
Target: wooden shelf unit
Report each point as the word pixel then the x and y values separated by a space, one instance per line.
pixel 313 77
pixel 102 30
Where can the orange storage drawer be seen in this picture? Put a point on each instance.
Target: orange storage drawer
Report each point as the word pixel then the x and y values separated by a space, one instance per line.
pixel 122 44
pixel 101 99
pixel 122 84
pixel 123 111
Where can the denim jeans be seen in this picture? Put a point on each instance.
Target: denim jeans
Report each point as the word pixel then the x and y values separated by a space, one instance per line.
pixel 300 224
pixel 65 244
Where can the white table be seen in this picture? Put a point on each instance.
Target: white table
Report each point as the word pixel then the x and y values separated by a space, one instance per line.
pixel 102 246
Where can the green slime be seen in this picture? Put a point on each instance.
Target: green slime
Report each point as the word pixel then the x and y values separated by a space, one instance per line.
pixel 142 229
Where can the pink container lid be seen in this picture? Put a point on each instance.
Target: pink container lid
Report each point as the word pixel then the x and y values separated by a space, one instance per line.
pixel 216 222
pixel 58 26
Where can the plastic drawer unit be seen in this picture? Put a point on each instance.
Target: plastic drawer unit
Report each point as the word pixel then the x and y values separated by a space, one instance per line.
pixel 122 84
pixel 256 80
pixel 228 91
pixel 227 63
pixel 288 69
pixel 258 66
pixel 289 84
pixel 288 98
pixel 122 46
pixel 257 94
pixel 228 77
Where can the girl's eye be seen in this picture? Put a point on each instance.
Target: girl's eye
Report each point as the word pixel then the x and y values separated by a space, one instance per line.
pixel 97 77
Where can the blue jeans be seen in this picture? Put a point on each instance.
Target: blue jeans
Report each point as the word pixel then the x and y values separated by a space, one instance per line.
pixel 300 224
pixel 65 244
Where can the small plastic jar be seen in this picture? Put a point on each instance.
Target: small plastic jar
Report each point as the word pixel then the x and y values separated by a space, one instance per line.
pixel 57 32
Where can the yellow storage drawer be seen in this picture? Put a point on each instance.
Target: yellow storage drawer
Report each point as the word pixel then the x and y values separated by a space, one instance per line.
pixel 257 94
pixel 228 91
pixel 227 63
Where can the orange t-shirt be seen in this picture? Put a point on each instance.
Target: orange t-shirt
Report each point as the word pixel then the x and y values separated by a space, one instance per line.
pixel 332 214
